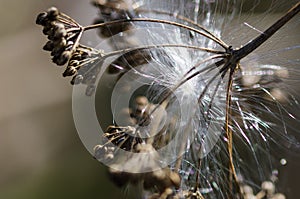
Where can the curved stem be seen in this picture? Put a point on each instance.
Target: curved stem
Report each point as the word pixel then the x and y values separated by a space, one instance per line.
pixel 156 21
pixel 165 46
pixel 228 128
pixel 184 19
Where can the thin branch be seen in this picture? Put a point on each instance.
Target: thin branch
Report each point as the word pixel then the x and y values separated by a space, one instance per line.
pixel 156 21
pixel 258 41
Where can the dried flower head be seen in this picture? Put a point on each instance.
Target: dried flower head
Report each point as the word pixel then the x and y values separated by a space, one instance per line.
pixel 191 134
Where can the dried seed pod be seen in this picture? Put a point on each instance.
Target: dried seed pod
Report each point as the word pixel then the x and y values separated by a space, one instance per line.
pixel 73 62
pixel 60 33
pixel 63 58
pixel 76 56
pixel 52 13
pixel 47 30
pixel 41 19
pixel 70 71
pixel 61 42
pixel 49 46
pixel 57 51
pixel 106 152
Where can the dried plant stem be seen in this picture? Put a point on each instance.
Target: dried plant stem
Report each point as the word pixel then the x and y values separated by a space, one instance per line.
pixel 226 61
pixel 148 47
pixel 157 21
pixel 183 19
pixel 258 41
pixel 232 173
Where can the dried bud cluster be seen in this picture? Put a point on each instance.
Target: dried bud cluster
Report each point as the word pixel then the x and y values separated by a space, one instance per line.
pixel 123 137
pixel 163 180
pixel 62 34
pixel 111 10
pixel 103 151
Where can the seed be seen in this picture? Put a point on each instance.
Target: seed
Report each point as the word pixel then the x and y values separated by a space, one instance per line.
pixel 76 56
pixel 64 58
pixel 70 71
pixel 48 46
pixel 62 42
pixel 57 51
pixel 58 26
pixel 41 19
pixel 60 32
pixel 74 63
pixel 47 30
pixel 53 13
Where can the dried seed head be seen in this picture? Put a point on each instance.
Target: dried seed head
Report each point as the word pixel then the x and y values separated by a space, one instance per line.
pixel 61 42
pixel 76 56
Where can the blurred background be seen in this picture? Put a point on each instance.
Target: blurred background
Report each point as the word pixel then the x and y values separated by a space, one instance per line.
pixel 41 155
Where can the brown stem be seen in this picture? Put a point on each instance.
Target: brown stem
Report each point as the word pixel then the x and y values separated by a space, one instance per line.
pixel 258 41
pixel 156 21
pixel 184 19
pixel 232 174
